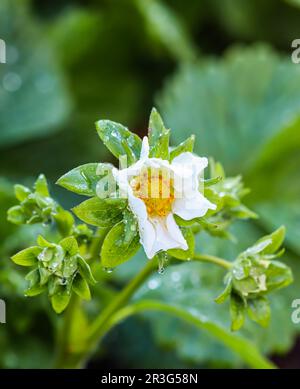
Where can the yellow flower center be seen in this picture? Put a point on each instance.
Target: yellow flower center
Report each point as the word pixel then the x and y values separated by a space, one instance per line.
pixel 155 187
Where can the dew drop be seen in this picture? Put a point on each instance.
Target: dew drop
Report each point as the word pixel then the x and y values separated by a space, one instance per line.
pixel 153 284
pixel 108 269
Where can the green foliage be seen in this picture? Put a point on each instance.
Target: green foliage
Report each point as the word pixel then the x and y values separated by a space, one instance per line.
pixel 254 274
pixel 35 206
pixel 59 269
pixel 34 97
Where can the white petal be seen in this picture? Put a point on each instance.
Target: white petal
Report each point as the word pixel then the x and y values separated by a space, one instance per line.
pixel 191 207
pixel 145 148
pixel 168 236
pixel 146 229
pixel 190 161
pixel 187 168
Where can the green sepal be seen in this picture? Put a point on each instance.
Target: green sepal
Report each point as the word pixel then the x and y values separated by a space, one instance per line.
pixel 185 254
pixel 226 292
pixel 64 221
pixel 237 312
pixel 159 136
pixel 69 245
pixel 81 287
pixel 183 147
pixel 41 186
pixel 60 300
pixel 259 310
pixel 85 271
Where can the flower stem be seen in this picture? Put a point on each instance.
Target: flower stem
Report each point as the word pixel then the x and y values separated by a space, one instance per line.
pixel 213 259
pixel 99 327
pixel 64 333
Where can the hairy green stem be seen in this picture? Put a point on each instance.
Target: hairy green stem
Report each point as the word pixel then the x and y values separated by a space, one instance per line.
pixel 63 338
pixel 102 324
pixel 213 259
pixel 243 347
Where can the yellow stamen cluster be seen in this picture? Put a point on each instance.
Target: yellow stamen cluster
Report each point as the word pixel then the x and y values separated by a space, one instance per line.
pixel 155 188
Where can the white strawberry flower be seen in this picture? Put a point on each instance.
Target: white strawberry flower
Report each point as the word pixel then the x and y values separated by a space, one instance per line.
pixel 157 190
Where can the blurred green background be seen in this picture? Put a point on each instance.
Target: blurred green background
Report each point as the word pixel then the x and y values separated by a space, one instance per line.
pixel 221 70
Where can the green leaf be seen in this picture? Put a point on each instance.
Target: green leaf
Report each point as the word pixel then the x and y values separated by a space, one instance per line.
pixel 41 186
pixel 83 179
pixel 183 147
pixel 119 140
pixel 60 300
pixel 42 242
pixel 259 311
pixel 85 271
pixel 237 312
pixel 70 245
pixel 100 212
pixel 185 254
pixel 80 286
pixel 115 250
pixel 36 84
pixel 191 287
pixel 166 27
pixel 21 192
pixel 27 257
pixel 131 226
pixel 34 290
pixel 158 136
pixel 65 222
pixel 16 215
